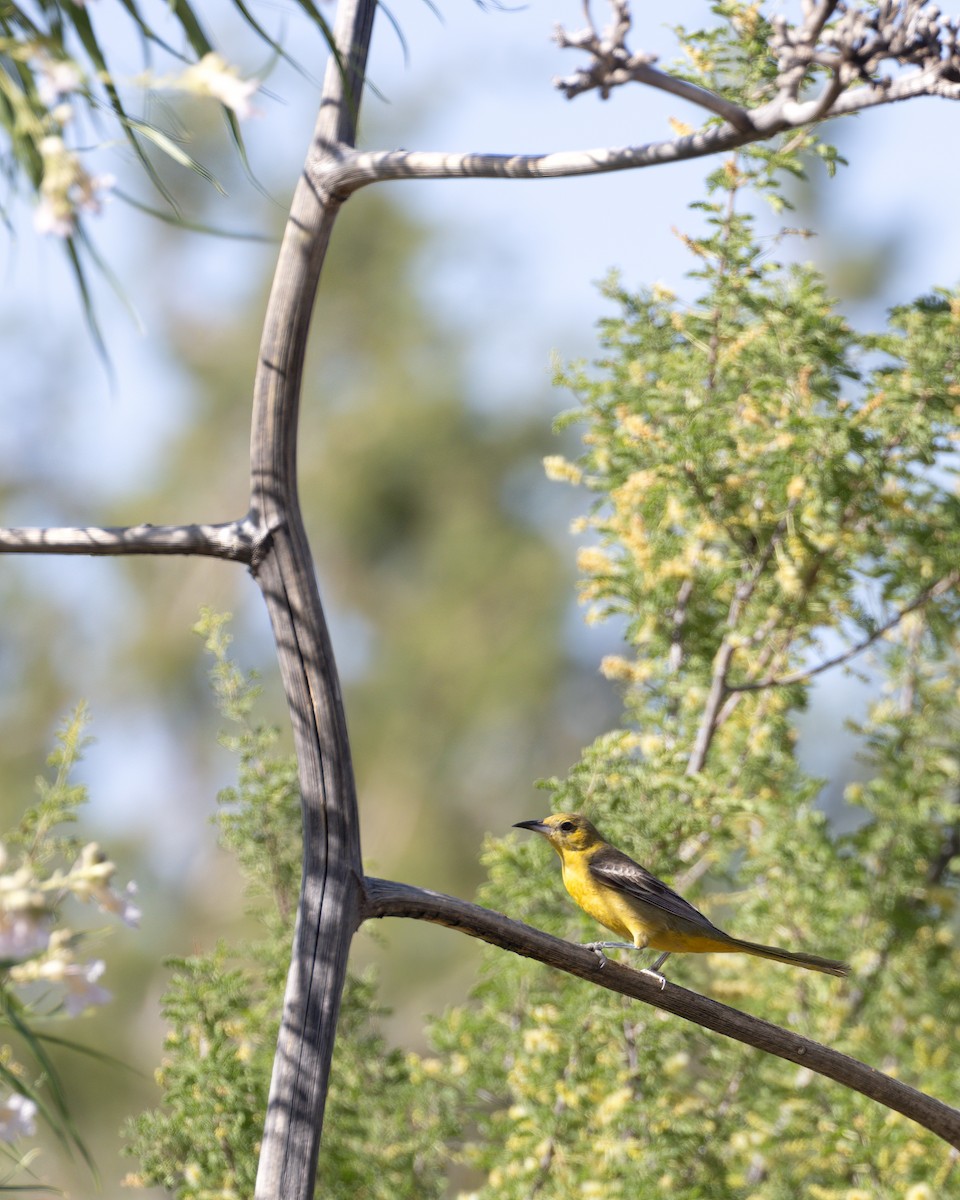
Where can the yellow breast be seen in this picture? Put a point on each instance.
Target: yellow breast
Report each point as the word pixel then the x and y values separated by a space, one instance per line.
pixel 602 903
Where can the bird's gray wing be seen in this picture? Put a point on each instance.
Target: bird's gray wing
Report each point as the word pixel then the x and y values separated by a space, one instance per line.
pixel 615 869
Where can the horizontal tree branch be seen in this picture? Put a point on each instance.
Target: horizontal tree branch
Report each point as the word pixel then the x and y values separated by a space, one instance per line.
pixel 342 171
pixel 234 540
pixel 360 168
pixel 800 676
pixel 384 898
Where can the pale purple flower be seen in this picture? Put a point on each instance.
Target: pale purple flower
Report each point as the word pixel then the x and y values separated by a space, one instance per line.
pixel 23 933
pixel 120 903
pixel 83 991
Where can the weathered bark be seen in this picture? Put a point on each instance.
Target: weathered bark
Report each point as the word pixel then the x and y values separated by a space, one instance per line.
pixel 283 567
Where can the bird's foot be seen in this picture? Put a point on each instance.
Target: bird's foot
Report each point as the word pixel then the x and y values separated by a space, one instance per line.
pixel 599 947
pixel 654 969
pixel 654 975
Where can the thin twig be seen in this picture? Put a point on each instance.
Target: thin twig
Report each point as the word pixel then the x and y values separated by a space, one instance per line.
pixel 678 619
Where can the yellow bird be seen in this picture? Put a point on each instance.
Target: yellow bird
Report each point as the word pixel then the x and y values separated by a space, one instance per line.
pixel 621 895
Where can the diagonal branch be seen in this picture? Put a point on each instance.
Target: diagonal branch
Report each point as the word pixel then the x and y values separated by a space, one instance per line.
pixel 651 76
pixel 931 593
pixel 383 898
pixel 614 65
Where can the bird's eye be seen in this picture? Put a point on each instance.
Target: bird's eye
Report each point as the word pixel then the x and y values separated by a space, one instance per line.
pixel 567 826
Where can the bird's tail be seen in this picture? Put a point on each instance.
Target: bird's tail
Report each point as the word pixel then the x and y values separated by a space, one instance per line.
pixel 813 962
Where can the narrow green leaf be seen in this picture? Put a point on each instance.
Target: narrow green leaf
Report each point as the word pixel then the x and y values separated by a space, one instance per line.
pixel 188 19
pixel 87 300
pixel 118 289
pixel 193 226
pixel 148 32
pixel 272 42
pixel 78 1047
pixel 172 150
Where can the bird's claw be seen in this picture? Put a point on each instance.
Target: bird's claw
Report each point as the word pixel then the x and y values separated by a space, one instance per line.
pixel 655 975
pixel 598 951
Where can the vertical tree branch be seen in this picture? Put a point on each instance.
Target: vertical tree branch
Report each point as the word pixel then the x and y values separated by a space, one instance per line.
pixel 327 915
pixel 678 619
pixel 715 710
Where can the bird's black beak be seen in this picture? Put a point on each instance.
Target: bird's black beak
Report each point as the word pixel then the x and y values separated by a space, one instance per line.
pixel 536 826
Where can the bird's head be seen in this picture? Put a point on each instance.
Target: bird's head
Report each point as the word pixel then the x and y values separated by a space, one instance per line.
pixel 564 831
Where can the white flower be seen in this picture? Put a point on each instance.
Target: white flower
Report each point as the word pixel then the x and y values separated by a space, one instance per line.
pixel 24 917
pixel 211 76
pixel 50 217
pixel 65 189
pixel 17 1118
pixel 59 968
pixel 92 191
pixel 56 78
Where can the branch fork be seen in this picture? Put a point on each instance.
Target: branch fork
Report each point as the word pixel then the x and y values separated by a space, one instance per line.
pixel 851 50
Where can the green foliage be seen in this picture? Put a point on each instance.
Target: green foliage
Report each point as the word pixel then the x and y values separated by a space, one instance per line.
pixel 58 800
pixel 733 56
pixel 773 491
pixel 224 1009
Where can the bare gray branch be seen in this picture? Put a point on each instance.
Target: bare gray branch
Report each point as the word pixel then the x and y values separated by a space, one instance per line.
pixel 236 540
